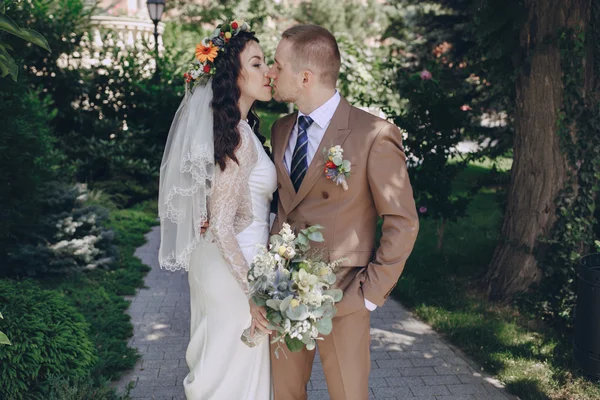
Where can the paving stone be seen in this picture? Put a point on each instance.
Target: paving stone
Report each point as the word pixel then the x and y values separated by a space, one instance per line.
pixel 408 359
pixel 467 388
pixel 431 390
pixel 392 392
pixel 399 363
pixel 405 381
pixel 417 371
pixel 441 379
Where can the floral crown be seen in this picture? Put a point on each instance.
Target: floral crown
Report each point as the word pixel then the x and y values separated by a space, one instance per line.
pixel 208 50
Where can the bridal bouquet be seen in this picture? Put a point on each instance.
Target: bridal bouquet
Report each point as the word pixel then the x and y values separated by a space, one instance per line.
pixel 295 285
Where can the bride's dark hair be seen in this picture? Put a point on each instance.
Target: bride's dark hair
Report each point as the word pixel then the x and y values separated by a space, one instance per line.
pixel 226 95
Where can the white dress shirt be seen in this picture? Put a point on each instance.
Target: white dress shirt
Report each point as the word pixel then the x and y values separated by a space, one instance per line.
pixel 321 118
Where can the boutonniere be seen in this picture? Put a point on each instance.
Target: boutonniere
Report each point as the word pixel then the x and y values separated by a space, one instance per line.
pixel 336 168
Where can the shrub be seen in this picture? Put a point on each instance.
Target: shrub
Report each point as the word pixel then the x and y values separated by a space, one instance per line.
pixel 70 236
pixel 28 158
pixel 49 338
pixel 110 326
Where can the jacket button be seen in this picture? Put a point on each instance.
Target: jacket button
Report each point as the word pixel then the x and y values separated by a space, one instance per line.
pixel 278 185
pixel 291 221
pixel 325 195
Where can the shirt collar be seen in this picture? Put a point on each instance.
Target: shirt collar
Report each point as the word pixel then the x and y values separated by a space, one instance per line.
pixel 322 115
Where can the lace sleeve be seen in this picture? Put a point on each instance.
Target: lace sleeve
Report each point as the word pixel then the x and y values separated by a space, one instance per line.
pixel 230 206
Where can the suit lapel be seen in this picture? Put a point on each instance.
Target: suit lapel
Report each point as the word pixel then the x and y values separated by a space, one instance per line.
pixel 286 191
pixel 336 133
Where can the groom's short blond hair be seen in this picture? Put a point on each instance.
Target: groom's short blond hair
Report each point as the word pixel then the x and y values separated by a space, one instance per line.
pixel 315 47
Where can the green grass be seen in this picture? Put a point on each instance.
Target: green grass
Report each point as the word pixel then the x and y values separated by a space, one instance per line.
pixel 267 118
pixel 446 290
pixel 99 294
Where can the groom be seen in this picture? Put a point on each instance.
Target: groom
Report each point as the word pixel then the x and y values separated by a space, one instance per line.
pixel 307 64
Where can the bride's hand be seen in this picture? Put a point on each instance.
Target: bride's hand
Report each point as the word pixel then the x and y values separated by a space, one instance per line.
pixel 259 318
pixel 204 227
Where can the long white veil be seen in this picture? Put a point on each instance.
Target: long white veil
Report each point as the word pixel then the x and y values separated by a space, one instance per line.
pixel 186 176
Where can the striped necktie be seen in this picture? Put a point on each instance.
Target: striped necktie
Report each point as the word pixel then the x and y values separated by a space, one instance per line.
pixel 299 159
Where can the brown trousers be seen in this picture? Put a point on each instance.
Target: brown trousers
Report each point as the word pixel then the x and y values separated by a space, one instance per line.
pixel 345 356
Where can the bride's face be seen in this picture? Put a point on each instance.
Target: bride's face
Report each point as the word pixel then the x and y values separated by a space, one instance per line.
pixel 253 82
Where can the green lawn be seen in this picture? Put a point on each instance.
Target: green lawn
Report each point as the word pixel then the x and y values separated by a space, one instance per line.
pixel 446 291
pixel 267 118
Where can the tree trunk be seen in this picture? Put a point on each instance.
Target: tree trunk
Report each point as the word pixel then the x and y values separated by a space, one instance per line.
pixel 539 169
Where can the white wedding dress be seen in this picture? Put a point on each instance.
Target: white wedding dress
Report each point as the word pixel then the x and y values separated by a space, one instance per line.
pixel 221 366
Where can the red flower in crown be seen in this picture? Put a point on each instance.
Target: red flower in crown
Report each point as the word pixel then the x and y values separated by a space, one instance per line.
pixel 206 68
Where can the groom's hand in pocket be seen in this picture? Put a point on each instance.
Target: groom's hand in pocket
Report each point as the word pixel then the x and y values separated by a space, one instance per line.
pixel 259 318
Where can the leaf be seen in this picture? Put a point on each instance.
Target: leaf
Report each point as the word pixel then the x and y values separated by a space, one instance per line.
pixel 276 240
pixel 319 312
pixel 1 317
pixel 294 345
pixel 324 325
pixel 346 165
pixel 331 278
pixel 302 239
pixel 316 236
pixel 275 328
pixel 299 313
pixel 7 64
pixel 10 26
pixel 274 304
pixel 4 339
pixel 259 301
pixel 337 294
pixel 285 303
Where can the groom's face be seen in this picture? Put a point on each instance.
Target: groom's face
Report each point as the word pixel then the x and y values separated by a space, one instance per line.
pixel 287 83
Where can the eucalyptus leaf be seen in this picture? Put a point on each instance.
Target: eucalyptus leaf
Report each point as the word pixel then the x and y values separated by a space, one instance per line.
pixel 299 313
pixel 337 160
pixel 337 294
pixel 311 345
pixel 10 26
pixel 316 236
pixel 346 165
pixel 274 304
pixel 275 328
pixel 4 339
pixel 285 303
pixel 306 339
pixel 324 325
pixel 302 239
pixel 276 240
pixel 274 316
pixel 331 278
pixel 259 301
pixel 319 312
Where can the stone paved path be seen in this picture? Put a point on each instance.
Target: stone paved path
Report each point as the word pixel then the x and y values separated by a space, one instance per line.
pixel 409 360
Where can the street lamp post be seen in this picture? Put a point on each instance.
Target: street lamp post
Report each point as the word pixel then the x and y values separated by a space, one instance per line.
pixel 155 9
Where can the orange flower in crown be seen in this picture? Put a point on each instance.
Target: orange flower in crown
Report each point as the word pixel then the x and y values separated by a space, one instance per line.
pixel 204 53
pixel 203 67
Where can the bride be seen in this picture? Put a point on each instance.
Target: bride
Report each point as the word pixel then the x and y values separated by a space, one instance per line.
pixel 215 166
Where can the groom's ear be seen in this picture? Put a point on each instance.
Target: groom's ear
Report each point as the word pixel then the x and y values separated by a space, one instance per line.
pixel 307 76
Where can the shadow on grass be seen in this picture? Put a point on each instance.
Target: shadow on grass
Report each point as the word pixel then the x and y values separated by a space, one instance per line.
pixel 445 289
pixel 528 389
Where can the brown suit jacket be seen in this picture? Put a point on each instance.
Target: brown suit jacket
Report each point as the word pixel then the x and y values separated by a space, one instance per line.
pixel 378 186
